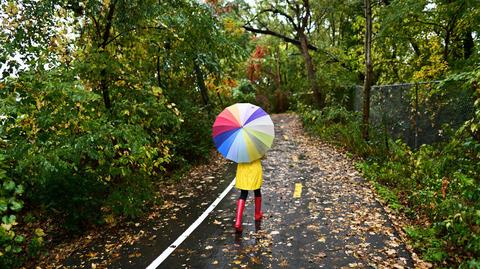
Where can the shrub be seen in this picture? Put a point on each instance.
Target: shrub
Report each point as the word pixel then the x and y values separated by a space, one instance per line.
pixel 74 155
pixel 13 243
pixel 244 92
pixel 440 183
pixel 190 143
pixel 341 127
pixel 437 186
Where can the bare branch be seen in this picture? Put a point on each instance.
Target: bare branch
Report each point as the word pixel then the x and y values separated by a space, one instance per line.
pixel 272 33
pixel 277 11
pixel 333 58
pixel 296 9
pixel 132 29
pixel 306 6
pixel 97 26
pixel 108 23
pixel 429 23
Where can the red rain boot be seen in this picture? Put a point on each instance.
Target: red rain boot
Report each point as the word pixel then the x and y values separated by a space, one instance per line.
pixel 258 208
pixel 238 220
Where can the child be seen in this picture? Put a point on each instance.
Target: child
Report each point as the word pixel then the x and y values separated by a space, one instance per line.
pixel 249 177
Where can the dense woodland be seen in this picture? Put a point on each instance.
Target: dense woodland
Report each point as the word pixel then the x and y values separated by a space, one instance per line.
pixel 103 100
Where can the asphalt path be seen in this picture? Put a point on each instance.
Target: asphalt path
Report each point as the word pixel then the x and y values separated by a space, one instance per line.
pixel 318 213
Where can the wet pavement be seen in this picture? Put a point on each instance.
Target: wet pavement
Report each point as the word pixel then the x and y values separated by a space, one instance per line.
pixel 333 221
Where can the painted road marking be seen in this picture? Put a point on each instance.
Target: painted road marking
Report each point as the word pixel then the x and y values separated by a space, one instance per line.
pixel 190 229
pixel 298 190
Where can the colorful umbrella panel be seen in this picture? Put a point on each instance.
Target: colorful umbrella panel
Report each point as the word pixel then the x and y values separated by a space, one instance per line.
pixel 243 132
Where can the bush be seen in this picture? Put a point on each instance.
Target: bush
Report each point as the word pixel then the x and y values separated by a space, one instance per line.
pixel 244 92
pixel 190 144
pixel 76 196
pixel 437 186
pixel 341 127
pixel 13 244
pixel 440 183
pixel 74 155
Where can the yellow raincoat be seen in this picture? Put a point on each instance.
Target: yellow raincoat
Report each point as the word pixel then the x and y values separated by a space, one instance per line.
pixel 249 176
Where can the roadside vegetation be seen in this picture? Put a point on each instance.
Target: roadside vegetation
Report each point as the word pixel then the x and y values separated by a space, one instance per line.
pixel 102 101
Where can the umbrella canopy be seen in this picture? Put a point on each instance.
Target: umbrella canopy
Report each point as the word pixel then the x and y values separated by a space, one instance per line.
pixel 243 132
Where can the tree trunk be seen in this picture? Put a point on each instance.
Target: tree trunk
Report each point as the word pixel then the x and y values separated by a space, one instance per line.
pixel 341 29
pixel 220 99
pixel 468 45
pixel 334 30
pixel 415 47
pixel 202 87
pixel 368 70
pixel 104 89
pixel 446 50
pixel 319 98
pixel 394 64
pixel 159 79
pixel 103 45
pixel 278 77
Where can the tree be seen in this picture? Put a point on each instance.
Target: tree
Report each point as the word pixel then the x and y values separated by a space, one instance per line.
pixel 436 36
pixel 368 69
pixel 294 27
pixel 121 103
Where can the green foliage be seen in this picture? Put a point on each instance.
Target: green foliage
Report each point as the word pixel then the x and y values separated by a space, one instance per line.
pixel 98 118
pixel 426 240
pixel 108 106
pixel 441 184
pixel 13 243
pixel 79 150
pixel 389 196
pixel 193 140
pixel 339 126
pixel 130 197
pixel 436 186
pixel 244 92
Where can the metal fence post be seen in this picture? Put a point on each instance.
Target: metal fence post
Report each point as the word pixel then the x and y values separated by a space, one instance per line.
pixel 416 116
pixel 384 116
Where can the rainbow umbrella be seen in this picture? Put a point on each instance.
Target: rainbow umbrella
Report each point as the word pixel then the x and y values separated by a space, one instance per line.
pixel 243 132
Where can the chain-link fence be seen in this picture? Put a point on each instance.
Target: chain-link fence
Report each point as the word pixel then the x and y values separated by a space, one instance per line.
pixel 417 112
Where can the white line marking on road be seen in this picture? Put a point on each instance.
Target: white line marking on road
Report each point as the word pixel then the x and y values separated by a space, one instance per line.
pixel 190 229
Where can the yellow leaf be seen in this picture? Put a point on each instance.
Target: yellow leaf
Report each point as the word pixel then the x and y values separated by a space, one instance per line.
pixel 7 227
pixel 109 219
pixel 39 232
pixel 91 254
